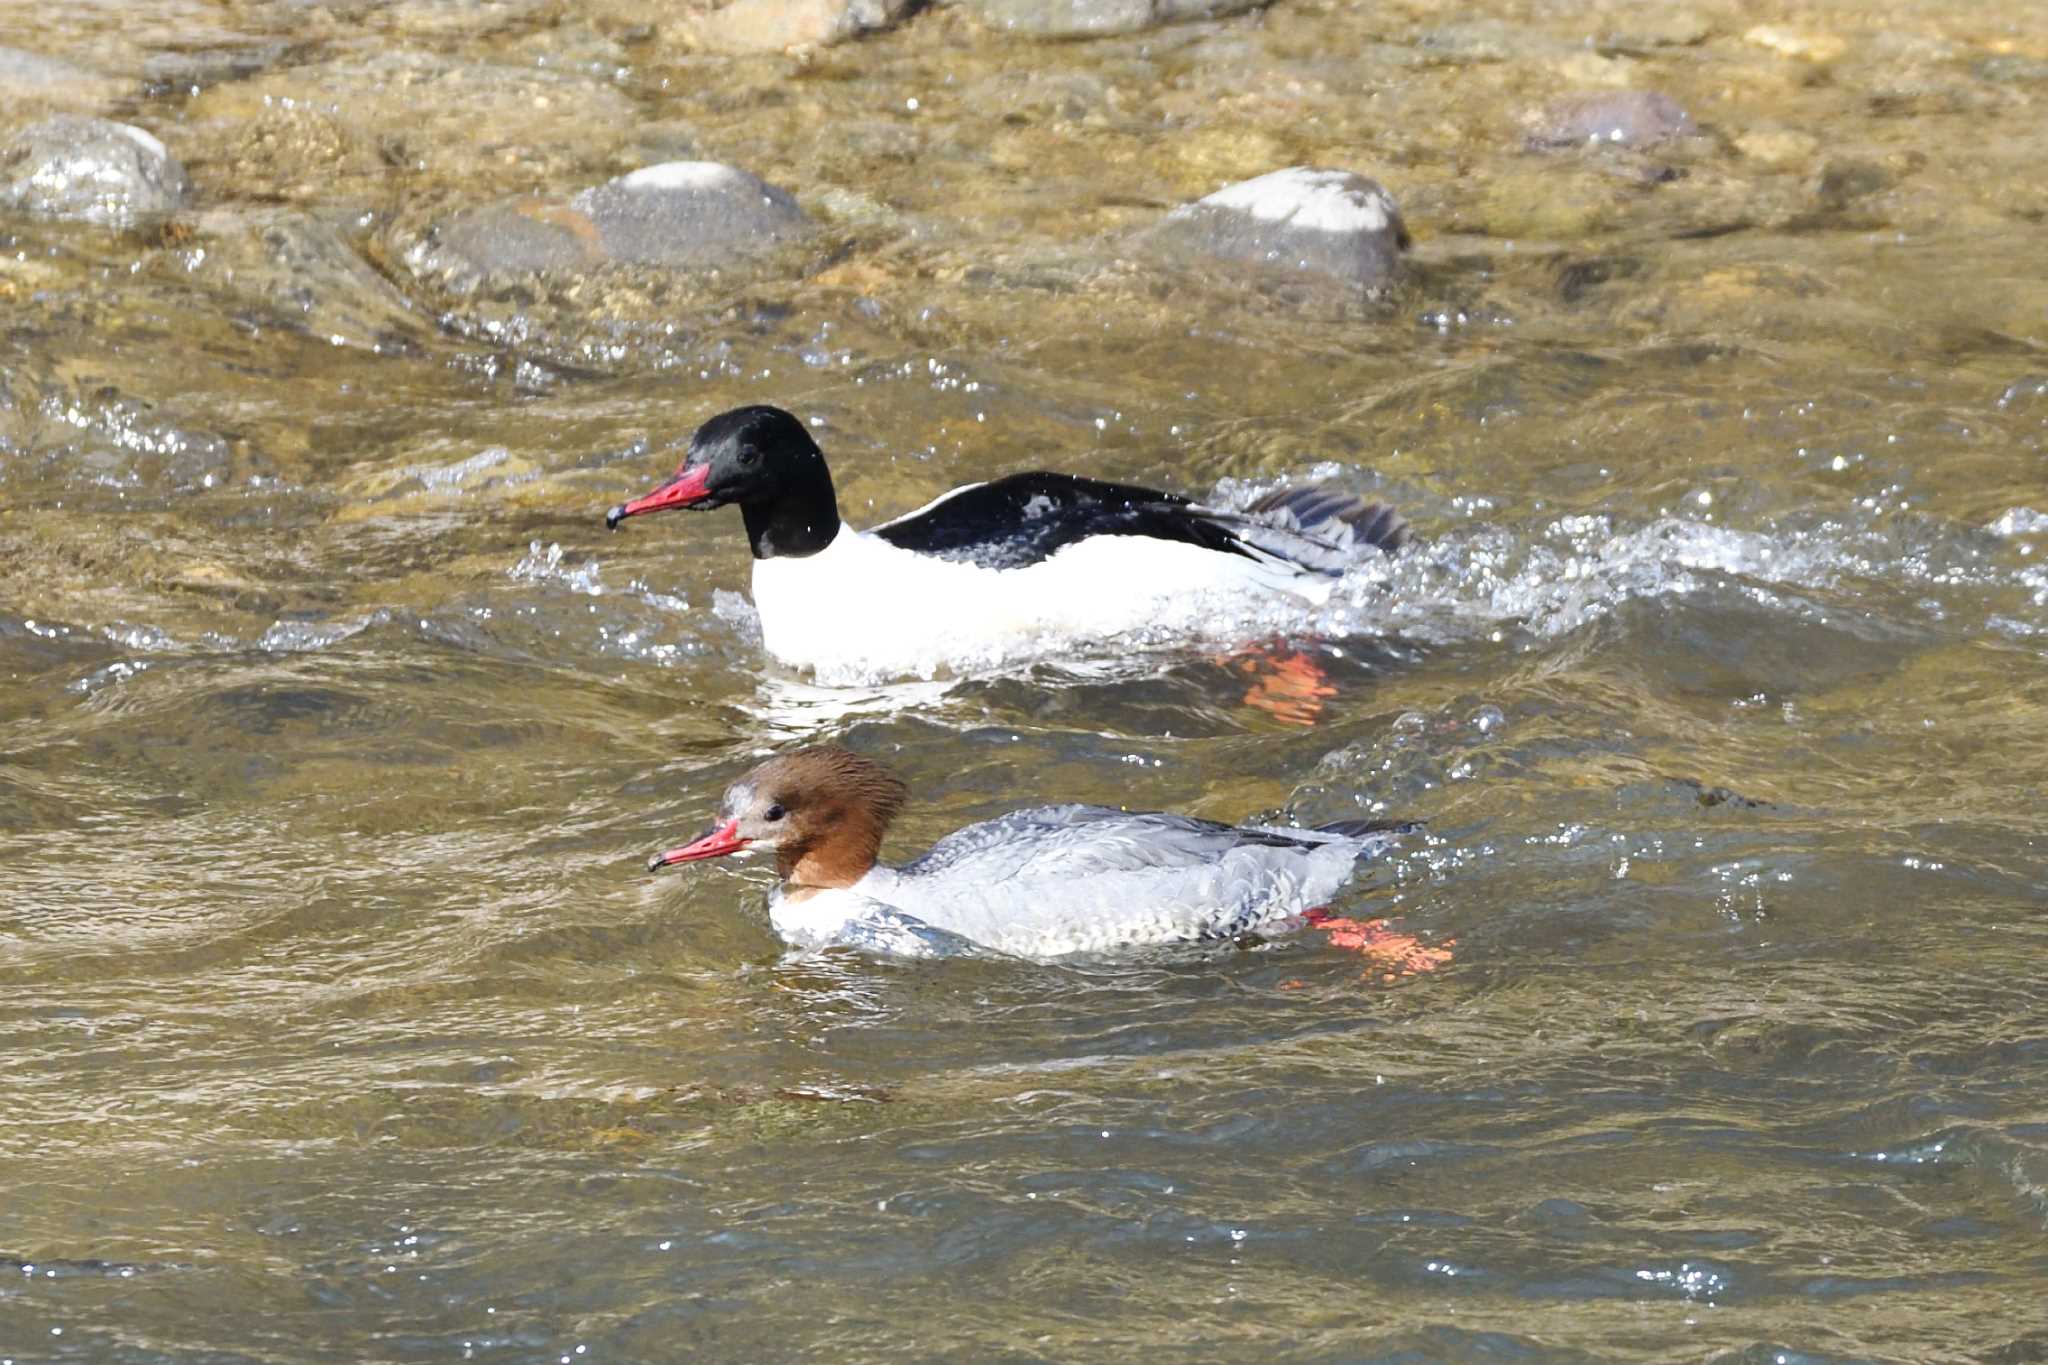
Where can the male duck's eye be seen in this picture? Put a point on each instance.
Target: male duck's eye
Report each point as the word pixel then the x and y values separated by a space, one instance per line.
pixel 776 813
pixel 750 456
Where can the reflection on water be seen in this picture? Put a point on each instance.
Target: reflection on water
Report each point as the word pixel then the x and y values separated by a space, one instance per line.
pixel 343 1022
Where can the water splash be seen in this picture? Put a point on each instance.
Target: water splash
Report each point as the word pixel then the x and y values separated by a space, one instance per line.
pixel 298 637
pixel 1494 580
pixel 544 565
pixel 461 473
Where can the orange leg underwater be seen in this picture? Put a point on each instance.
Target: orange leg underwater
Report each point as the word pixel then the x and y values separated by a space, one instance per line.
pixel 1392 953
pixel 1286 683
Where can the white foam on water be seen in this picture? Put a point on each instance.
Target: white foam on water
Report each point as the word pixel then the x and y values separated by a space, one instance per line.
pixel 737 612
pixel 150 639
pixel 298 637
pixel 789 707
pixel 120 671
pixel 461 473
pixel 2019 521
pixel 1541 582
pixel 543 564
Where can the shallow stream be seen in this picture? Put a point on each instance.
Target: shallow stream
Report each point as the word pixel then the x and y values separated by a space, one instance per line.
pixel 340 1020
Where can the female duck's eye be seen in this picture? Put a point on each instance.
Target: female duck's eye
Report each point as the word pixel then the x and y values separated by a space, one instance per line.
pixel 776 813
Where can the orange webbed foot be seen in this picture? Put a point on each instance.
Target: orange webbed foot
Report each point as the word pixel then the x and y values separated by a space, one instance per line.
pixel 1287 684
pixel 1392 952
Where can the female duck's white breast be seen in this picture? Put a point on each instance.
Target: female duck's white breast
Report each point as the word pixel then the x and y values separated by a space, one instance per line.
pixel 817 918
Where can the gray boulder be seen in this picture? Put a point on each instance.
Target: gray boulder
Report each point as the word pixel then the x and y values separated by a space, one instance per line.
pixel 285 270
pixel 1336 223
pixel 773 25
pixel 89 169
pixel 1089 18
pixel 1618 118
pixel 352 119
pixel 187 71
pixel 687 214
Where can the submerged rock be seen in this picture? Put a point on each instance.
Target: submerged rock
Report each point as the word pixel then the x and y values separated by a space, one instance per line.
pixel 1777 147
pixel 1475 41
pixel 772 25
pixel 96 437
pixel 292 152
pixel 1334 222
pixel 89 169
pixel 689 214
pixel 515 236
pixel 1087 18
pixel 188 72
pixel 282 269
pixel 1645 28
pixel 1844 181
pixel 1847 178
pixel 30 80
pixel 2010 68
pixel 461 19
pixel 1625 118
pixel 1807 45
pixel 434 116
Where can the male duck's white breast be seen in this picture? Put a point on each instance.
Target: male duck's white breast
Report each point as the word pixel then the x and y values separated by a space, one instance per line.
pixel 862 605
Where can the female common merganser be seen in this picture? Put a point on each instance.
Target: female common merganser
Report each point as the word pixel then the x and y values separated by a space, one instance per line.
pixel 1039 882
pixel 1021 566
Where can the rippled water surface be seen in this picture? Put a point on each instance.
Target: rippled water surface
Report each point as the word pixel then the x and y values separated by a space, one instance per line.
pixel 341 1021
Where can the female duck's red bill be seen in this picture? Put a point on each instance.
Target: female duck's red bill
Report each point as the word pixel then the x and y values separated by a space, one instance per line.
pixel 714 843
pixel 691 484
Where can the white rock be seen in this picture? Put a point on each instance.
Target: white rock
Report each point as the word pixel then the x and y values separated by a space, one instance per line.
pixel 89 169
pixel 1332 222
pixel 1322 201
pixel 680 175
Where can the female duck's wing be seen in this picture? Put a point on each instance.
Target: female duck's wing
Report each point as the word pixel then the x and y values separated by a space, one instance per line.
pixel 1080 841
pixel 1053 880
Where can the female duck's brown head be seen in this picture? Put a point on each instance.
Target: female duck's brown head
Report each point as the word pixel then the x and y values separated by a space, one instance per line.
pixel 823 810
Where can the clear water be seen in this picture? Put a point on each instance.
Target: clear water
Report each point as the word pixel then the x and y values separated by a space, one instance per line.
pixel 341 1021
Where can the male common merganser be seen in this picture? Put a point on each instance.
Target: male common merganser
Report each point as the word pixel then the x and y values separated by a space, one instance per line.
pixel 1023 566
pixel 1039 882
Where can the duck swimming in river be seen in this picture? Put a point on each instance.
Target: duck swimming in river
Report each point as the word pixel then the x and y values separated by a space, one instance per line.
pixel 1031 565
pixel 1042 881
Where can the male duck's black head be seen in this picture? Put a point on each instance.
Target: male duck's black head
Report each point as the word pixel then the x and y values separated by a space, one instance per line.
pixel 763 459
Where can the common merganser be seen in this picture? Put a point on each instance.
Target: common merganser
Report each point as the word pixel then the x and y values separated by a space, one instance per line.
pixel 1024 566
pixel 1039 882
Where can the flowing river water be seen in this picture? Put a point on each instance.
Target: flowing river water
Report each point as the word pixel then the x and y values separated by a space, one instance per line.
pixel 342 1022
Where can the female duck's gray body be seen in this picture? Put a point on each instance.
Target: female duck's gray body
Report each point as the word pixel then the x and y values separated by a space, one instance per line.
pixel 1040 882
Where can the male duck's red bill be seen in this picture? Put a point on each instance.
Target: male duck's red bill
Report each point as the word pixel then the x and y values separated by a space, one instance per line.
pixel 691 484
